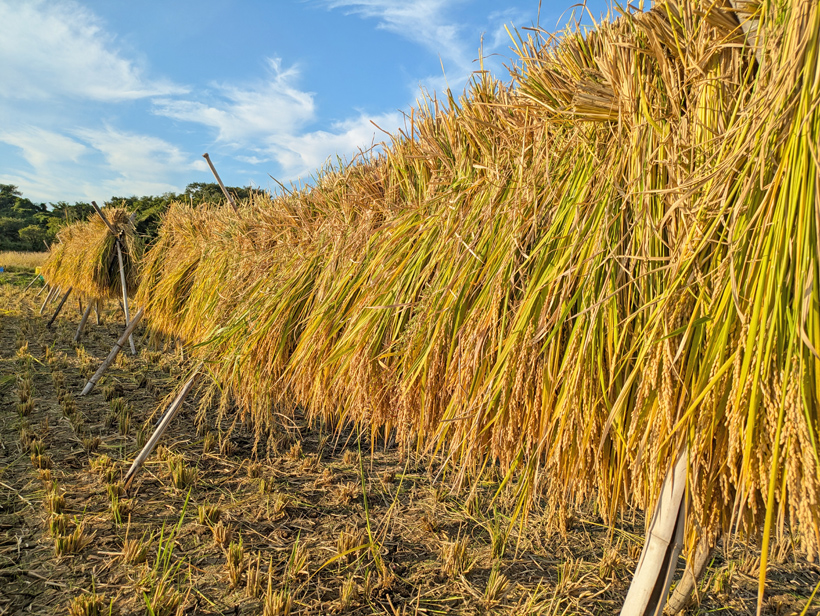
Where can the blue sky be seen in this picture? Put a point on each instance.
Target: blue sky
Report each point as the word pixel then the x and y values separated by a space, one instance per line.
pixel 103 98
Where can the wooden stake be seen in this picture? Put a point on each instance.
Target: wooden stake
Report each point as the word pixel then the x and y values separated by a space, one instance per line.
pixel 163 424
pixel 87 312
pixel 80 304
pixel 97 311
pixel 104 219
pixel 122 272
pixel 113 354
pixel 33 280
pixel 219 181
pixel 695 564
pixel 59 307
pixel 125 296
pixel 653 576
pixel 51 292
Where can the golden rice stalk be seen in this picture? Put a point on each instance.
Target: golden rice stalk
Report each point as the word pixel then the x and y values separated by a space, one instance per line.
pixel 571 276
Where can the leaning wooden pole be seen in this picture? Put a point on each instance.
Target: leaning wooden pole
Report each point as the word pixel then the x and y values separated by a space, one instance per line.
pixel 87 312
pixel 163 424
pixel 113 354
pixel 59 307
pixel 104 219
pixel 43 288
pixel 695 564
pixel 664 540
pixel 33 280
pixel 125 295
pixel 219 181
pixel 53 291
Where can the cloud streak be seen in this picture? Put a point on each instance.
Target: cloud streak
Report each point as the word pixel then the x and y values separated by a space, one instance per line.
pixel 94 163
pixel 246 113
pixel 425 22
pixel 301 155
pixel 60 49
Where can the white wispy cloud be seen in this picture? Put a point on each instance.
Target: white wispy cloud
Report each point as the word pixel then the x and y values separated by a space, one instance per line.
pixel 244 113
pixel 269 121
pixel 425 22
pixel 41 147
pixel 441 28
pixel 301 155
pixel 88 164
pixel 137 156
pixel 61 49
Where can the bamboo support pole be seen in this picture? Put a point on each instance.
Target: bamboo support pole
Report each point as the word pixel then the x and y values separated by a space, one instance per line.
pixel 51 292
pixel 696 563
pixel 122 272
pixel 219 181
pixel 163 424
pixel 43 288
pixel 125 296
pixel 664 540
pixel 113 354
pixel 104 219
pixel 87 312
pixel 749 24
pixel 33 280
pixel 59 307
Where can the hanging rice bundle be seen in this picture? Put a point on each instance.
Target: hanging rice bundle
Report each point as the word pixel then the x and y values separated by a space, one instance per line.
pixel 573 276
pixel 85 256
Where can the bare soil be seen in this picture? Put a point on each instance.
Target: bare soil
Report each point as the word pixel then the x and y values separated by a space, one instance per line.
pixel 323 519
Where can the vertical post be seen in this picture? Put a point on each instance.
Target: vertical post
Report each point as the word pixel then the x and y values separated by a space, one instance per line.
pixel 219 181
pixel 97 311
pixel 125 295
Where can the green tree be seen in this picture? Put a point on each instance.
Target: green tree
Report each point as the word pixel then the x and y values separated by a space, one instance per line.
pixel 34 236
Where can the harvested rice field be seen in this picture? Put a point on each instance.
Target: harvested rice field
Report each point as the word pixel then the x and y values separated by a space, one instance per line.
pixel 317 520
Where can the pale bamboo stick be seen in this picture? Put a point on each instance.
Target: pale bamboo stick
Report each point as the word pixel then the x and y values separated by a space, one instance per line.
pixel 33 280
pixel 125 296
pixel 163 424
pixel 51 292
pixel 113 354
pixel 653 575
pixel 219 181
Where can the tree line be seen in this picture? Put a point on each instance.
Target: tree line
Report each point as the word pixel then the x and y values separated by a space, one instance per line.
pixel 27 226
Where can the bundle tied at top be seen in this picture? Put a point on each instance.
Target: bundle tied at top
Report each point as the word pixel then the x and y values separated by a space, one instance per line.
pixel 85 256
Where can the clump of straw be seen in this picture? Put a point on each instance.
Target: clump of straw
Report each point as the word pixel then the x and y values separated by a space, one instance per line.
pixel 572 276
pixel 85 256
